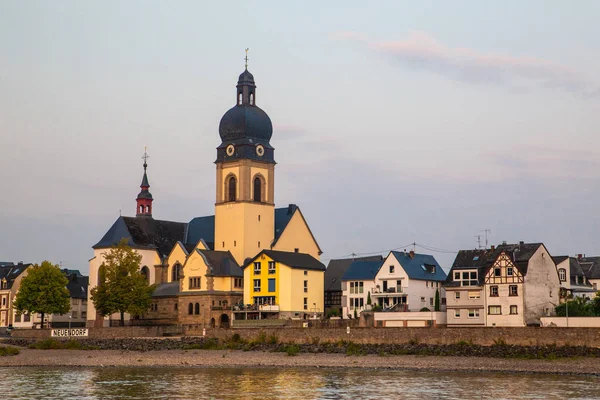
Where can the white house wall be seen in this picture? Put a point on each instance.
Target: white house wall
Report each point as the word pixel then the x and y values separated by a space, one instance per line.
pixel 541 288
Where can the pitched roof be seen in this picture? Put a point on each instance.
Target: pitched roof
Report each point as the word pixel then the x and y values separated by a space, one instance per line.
pixel 221 263
pixel 291 259
pixel 144 233
pixel 283 217
pixel 362 270
pixel 420 266
pixel 590 267
pixel 11 271
pixel 200 228
pixel 336 269
pixel 166 289
pixel 78 286
pixel 558 259
pixel 469 259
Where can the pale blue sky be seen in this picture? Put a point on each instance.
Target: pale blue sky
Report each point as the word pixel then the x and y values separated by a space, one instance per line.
pixel 393 121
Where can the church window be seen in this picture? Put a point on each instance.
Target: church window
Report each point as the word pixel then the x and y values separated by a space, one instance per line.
pixel 257 190
pixel 176 274
pixel 259 244
pixel 234 243
pixel 259 218
pixel 239 98
pixel 252 98
pixel 197 309
pixel 190 309
pixel 232 187
pixel 146 273
pixel 195 282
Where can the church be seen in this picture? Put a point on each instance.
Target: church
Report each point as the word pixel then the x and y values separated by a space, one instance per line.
pixel 210 266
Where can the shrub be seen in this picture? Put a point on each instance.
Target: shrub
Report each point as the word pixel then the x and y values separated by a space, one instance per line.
pixel 8 351
pixel 500 342
pixel 46 344
pixel 236 338
pixel 354 349
pixel 333 313
pixel 272 339
pixel 292 350
pixel 261 338
pixel 413 341
pixel 465 342
pixel 424 309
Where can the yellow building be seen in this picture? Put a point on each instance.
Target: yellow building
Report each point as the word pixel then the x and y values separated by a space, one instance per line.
pixel 282 285
pixel 208 251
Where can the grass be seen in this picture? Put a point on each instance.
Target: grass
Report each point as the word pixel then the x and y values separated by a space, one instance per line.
pixel 9 351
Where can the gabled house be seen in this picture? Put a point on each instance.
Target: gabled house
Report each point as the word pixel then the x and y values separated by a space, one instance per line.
pixel 408 281
pixel 573 282
pixel 591 268
pixel 333 281
pixel 511 285
pixel 358 283
pixel 10 280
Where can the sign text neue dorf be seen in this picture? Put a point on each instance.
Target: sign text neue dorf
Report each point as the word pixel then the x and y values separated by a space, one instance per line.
pixel 76 332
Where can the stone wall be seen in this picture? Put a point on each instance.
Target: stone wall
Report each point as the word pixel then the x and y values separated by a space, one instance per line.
pixel 482 336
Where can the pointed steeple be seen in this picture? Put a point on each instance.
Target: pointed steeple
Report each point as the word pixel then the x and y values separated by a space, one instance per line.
pixel 144 199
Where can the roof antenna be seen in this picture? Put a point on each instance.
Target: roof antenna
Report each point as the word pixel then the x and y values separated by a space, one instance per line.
pixel 479 242
pixel 486 237
pixel 246 58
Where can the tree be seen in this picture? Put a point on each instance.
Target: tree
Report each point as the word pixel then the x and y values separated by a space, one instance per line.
pixel 437 300
pixel 578 307
pixel 44 291
pixel 369 298
pixel 122 288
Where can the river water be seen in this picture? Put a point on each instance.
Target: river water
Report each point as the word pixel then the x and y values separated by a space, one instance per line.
pixel 289 383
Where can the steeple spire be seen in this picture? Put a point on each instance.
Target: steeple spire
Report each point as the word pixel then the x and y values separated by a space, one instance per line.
pixel 144 199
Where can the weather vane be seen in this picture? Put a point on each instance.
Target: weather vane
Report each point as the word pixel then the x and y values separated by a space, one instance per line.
pixel 145 157
pixel 246 58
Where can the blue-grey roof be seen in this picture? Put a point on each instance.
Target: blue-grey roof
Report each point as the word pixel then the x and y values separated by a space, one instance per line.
pixel 166 289
pixel 201 228
pixel 221 263
pixel 282 218
pixel 78 285
pixel 337 268
pixel 420 266
pixel 362 270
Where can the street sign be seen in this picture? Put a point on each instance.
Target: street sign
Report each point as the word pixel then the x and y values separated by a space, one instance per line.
pixel 76 332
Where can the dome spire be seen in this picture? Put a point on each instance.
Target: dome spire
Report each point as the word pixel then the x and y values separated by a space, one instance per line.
pixel 246 58
pixel 144 199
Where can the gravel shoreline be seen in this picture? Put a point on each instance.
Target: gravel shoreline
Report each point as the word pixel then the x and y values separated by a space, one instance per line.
pixel 238 358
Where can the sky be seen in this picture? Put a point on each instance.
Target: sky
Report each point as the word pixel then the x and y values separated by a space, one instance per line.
pixel 395 122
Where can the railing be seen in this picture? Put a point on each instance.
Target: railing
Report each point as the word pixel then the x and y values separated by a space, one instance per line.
pixel 390 291
pixel 255 307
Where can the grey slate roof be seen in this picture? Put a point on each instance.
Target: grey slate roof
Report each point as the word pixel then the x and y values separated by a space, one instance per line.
pixel 282 218
pixel 590 267
pixel 336 269
pixel 420 266
pixel 201 228
pixel 362 270
pixel 166 289
pixel 291 259
pixel 11 271
pixel 78 285
pixel 221 263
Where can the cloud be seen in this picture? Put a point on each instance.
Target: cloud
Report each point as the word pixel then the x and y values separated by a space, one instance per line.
pixel 421 51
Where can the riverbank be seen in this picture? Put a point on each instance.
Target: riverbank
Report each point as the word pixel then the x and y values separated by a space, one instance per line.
pixel 239 358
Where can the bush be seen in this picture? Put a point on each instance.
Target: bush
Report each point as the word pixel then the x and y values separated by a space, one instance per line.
pixel 424 309
pixel 354 349
pixel 8 351
pixel 46 344
pixel 333 313
pixel 236 338
pixel 272 339
pixel 292 350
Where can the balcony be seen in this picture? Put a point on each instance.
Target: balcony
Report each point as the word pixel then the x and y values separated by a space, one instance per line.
pixel 391 292
pixel 255 307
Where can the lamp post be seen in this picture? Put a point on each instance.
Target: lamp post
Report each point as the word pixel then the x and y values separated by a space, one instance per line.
pixel 70 316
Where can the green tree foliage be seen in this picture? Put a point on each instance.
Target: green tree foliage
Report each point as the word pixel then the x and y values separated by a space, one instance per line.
pixel 122 287
pixel 596 304
pixel 369 298
pixel 43 290
pixel 437 300
pixel 578 307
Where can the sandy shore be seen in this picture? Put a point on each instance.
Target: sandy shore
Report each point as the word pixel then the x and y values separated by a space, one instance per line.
pixel 238 358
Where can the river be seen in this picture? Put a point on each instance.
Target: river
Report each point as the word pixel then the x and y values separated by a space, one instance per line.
pixel 288 383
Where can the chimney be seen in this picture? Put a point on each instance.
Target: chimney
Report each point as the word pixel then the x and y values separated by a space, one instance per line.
pixel 579 256
pixel 492 247
pixel 412 254
pixel 521 243
pixel 504 242
pixel 21 263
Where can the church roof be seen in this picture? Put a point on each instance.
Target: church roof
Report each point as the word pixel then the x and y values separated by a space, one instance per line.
pixel 221 263
pixel 201 228
pixel 146 233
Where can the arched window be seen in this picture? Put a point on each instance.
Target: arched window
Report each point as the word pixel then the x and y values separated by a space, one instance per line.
pixel 562 274
pixel 257 189
pixel 252 98
pixel 176 273
pixel 197 308
pixel 148 209
pixel 141 209
pixel 190 309
pixel 240 98
pixel 146 273
pixel 232 187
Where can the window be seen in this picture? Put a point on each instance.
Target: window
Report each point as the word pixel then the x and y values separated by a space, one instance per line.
pixel 474 294
pixel 426 283
pixel 238 282
pixel 190 309
pixel 562 274
pixel 513 310
pixel 145 273
pixel 305 273
pixel 391 269
pixel 271 285
pixel 512 290
pixel 466 278
pixel 197 308
pixel 257 285
pixel 497 272
pixel 357 302
pixel 75 302
pixel 457 276
pixel 26 317
pixel 17 317
pixel 257 189
pixel 473 313
pixel 494 310
pixel 493 291
pixel 195 282
pixel 456 313
pixel 174 308
pixel 422 299
pixel 74 314
pixel 232 187
pixel 176 274
pixel 271 267
pixel 257 268
pixel 305 286
pixel 457 295
pixel 356 287
pixel 3 301
pixel 443 301
pixel 431 301
pixel 509 271
pixel 306 303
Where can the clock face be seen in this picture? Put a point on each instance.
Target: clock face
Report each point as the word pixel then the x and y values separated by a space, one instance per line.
pixel 260 151
pixel 230 150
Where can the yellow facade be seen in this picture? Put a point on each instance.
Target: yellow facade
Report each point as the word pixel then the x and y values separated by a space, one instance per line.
pixel 289 293
pixel 297 237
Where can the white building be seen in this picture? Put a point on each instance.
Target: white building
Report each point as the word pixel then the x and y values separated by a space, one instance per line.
pixel 358 284
pixel 573 281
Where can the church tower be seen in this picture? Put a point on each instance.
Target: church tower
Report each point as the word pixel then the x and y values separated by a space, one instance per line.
pixel 244 209
pixel 144 199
